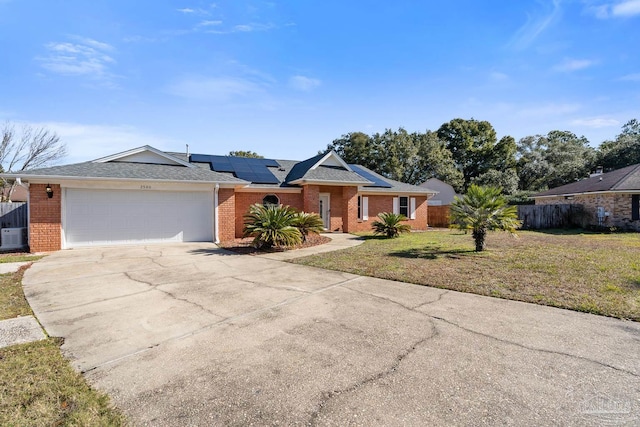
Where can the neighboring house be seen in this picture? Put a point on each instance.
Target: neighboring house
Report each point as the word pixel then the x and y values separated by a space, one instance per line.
pixel 146 195
pixel 610 199
pixel 445 192
pixel 20 193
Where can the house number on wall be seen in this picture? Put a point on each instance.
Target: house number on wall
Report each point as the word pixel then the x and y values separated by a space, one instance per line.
pixel 145 187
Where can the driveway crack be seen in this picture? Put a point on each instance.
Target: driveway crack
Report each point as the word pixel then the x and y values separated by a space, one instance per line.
pixel 328 396
pixel 502 340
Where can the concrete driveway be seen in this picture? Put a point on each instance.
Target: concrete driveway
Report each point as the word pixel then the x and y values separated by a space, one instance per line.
pixel 188 334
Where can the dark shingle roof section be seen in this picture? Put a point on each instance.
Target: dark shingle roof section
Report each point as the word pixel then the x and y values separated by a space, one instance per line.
pixel 301 168
pixel 126 170
pixel 625 179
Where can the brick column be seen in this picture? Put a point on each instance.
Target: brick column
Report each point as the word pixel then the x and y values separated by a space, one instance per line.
pixel 349 209
pixel 227 215
pixel 311 198
pixel 45 229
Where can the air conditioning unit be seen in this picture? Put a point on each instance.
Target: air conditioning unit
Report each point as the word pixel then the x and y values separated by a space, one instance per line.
pixel 12 238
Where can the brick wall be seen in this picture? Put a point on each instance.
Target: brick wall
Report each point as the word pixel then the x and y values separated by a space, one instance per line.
pixel 335 206
pixel 245 200
pixel 226 214
pixel 380 204
pixel 618 205
pixel 45 229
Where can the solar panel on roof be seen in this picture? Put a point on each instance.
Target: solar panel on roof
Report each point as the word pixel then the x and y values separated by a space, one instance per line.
pixel 377 181
pixel 249 169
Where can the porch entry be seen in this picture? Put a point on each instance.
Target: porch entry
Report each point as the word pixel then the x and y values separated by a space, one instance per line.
pixel 325 211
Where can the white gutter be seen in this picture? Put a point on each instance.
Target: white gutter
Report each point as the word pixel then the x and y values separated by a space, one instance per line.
pixel 215 215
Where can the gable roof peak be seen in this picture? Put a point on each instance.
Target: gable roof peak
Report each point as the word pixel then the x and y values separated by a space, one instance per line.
pixel 145 154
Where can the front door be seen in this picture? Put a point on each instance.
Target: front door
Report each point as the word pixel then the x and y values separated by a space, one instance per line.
pixel 325 211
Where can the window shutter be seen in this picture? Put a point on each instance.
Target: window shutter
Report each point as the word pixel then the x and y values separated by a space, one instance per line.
pixel 635 207
pixel 412 208
pixel 396 205
pixel 365 208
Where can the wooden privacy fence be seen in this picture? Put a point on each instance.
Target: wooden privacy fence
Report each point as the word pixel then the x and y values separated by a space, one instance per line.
pixel 13 215
pixel 538 217
pixel 438 216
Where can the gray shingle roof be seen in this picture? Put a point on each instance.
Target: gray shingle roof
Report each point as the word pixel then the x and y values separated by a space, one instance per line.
pixel 288 171
pixel 625 179
pixel 126 170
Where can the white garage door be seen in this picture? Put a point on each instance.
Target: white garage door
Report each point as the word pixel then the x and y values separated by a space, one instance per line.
pixel 108 217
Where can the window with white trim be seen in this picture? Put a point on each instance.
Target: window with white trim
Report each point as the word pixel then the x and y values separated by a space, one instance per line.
pixel 404 206
pixel 363 208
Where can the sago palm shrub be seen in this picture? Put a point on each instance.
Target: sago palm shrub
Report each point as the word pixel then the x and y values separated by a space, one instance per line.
pixel 308 223
pixel 390 224
pixel 271 226
pixel 483 209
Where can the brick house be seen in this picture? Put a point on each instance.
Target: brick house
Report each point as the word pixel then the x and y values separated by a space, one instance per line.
pixel 145 195
pixel 610 199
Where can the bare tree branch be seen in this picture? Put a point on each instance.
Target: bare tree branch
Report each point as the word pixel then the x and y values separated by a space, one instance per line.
pixel 34 147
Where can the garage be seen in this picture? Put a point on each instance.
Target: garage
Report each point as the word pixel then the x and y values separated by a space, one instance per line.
pixel 93 217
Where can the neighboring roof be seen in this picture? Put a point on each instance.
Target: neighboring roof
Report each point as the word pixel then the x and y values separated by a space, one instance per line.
pixel 625 179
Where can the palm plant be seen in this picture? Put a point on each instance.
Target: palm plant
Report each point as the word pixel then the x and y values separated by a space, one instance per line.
pixel 271 226
pixel 390 224
pixel 483 209
pixel 308 223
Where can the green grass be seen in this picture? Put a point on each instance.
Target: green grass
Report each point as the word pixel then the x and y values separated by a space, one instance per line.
pixel 38 386
pixel 595 273
pixel 5 258
pixel 12 301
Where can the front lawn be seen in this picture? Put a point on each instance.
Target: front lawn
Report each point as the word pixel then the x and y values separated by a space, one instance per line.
pixel 595 273
pixel 38 387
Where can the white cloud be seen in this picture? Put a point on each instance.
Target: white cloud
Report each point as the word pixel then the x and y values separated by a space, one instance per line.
pixel 85 57
pixel 209 23
pixel 596 122
pixel 548 110
pixel 303 83
pixel 536 25
pixel 214 88
pixel 186 10
pixel 569 65
pixel 498 76
pixel 635 77
pixel 626 8
pixel 621 9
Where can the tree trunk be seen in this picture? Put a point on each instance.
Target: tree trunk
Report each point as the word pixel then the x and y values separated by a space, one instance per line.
pixel 479 236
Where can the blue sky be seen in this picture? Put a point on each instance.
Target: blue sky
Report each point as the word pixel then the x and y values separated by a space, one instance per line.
pixel 285 78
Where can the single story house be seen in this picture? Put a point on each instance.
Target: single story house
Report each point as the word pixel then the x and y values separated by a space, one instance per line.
pixel 146 195
pixel 610 199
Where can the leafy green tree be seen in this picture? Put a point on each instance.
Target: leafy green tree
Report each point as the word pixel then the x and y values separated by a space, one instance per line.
pixel 558 158
pixel 408 157
pixel 271 225
pixel 308 223
pixel 475 149
pixel 506 180
pixel 241 153
pixel 483 209
pixel 390 224
pixel 624 150
pixel 357 148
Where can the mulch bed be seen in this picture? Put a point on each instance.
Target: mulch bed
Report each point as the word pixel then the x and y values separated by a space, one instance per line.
pixel 243 246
